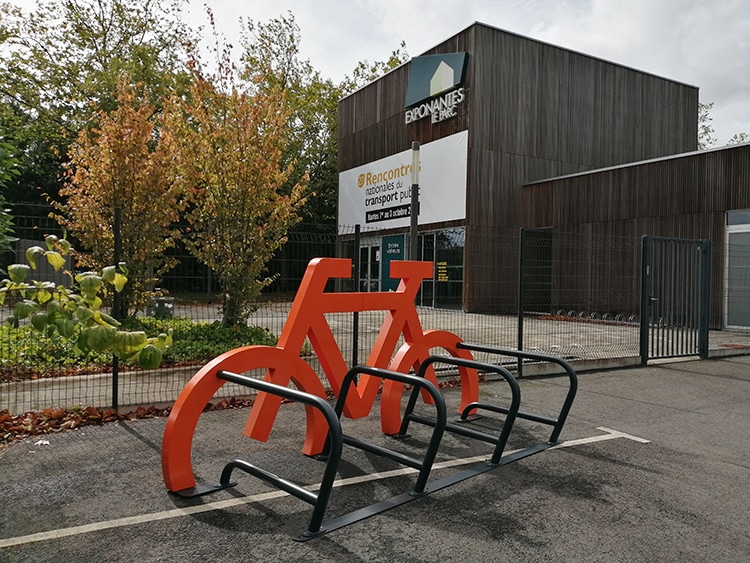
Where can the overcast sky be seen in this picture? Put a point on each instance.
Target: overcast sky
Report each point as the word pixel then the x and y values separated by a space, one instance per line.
pixel 705 43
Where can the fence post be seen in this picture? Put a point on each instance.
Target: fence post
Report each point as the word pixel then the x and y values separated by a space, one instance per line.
pixel 705 298
pixel 116 304
pixel 521 297
pixel 645 297
pixel 355 315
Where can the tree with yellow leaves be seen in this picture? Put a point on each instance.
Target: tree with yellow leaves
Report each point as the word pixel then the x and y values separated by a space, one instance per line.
pixel 226 140
pixel 121 164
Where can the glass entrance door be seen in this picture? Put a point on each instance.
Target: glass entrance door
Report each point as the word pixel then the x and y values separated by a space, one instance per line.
pixel 369 273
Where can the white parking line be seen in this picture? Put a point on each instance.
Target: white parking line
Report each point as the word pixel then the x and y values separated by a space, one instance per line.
pixel 223 504
pixel 610 435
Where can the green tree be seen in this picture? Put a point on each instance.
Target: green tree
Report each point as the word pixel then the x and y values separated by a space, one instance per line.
pixel 226 140
pixel 705 129
pixel 366 72
pixel 271 49
pixel 119 164
pixel 8 169
pixel 706 138
pixel 738 138
pixel 61 64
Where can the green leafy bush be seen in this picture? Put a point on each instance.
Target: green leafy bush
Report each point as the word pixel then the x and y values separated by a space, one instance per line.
pixel 27 353
pixel 201 341
pixel 73 310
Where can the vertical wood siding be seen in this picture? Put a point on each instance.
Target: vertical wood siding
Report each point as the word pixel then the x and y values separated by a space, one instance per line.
pixel 684 196
pixel 533 111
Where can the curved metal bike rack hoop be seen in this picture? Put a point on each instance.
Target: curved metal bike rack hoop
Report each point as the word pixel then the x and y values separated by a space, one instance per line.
pixel 335 440
pixel 418 382
pixel 556 423
pixel 500 440
pixel 512 413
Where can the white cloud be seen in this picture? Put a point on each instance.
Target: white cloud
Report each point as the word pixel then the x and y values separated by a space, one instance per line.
pixel 701 42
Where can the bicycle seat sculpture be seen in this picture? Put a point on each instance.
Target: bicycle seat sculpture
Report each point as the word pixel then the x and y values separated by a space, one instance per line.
pixel 284 364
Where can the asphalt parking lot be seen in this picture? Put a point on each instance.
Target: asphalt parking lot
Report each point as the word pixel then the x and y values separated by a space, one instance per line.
pixel 655 466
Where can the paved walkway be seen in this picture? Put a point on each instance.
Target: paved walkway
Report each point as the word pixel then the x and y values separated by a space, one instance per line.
pixel 655 467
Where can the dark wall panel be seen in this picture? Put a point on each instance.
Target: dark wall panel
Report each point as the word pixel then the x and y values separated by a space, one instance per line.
pixel 685 196
pixel 533 111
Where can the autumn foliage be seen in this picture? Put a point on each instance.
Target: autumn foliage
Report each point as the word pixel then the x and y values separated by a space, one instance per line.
pixel 121 164
pixel 226 141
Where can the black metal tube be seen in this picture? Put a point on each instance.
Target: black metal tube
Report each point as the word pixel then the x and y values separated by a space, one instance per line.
pixel 515 401
pixel 459 429
pixel 441 416
pixel 504 410
pixel 335 440
pixel 382 452
pixel 260 473
pixel 572 378
pixel 446 360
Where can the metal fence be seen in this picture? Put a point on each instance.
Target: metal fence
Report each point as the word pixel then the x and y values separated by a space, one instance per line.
pixel 574 297
pixel 579 295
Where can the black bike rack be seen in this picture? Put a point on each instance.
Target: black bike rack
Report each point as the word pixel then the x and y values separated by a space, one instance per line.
pixel 423 466
pixel 511 412
pixel 336 438
pixel 556 423
pixel 335 443
pixel 333 449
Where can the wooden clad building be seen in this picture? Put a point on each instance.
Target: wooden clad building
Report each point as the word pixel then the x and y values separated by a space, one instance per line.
pixel 697 195
pixel 511 112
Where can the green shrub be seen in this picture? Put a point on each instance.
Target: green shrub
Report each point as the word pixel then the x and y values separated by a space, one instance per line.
pixel 27 353
pixel 202 341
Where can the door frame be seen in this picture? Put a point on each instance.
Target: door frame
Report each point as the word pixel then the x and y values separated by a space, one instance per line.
pixel 730 229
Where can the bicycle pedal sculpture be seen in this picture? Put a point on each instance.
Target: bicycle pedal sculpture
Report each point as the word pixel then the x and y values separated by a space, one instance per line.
pixel 284 364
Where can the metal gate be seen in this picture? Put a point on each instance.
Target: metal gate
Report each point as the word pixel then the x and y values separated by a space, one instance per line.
pixel 675 294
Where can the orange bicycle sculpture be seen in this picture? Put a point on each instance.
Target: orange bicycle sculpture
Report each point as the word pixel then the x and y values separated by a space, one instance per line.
pixel 284 364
